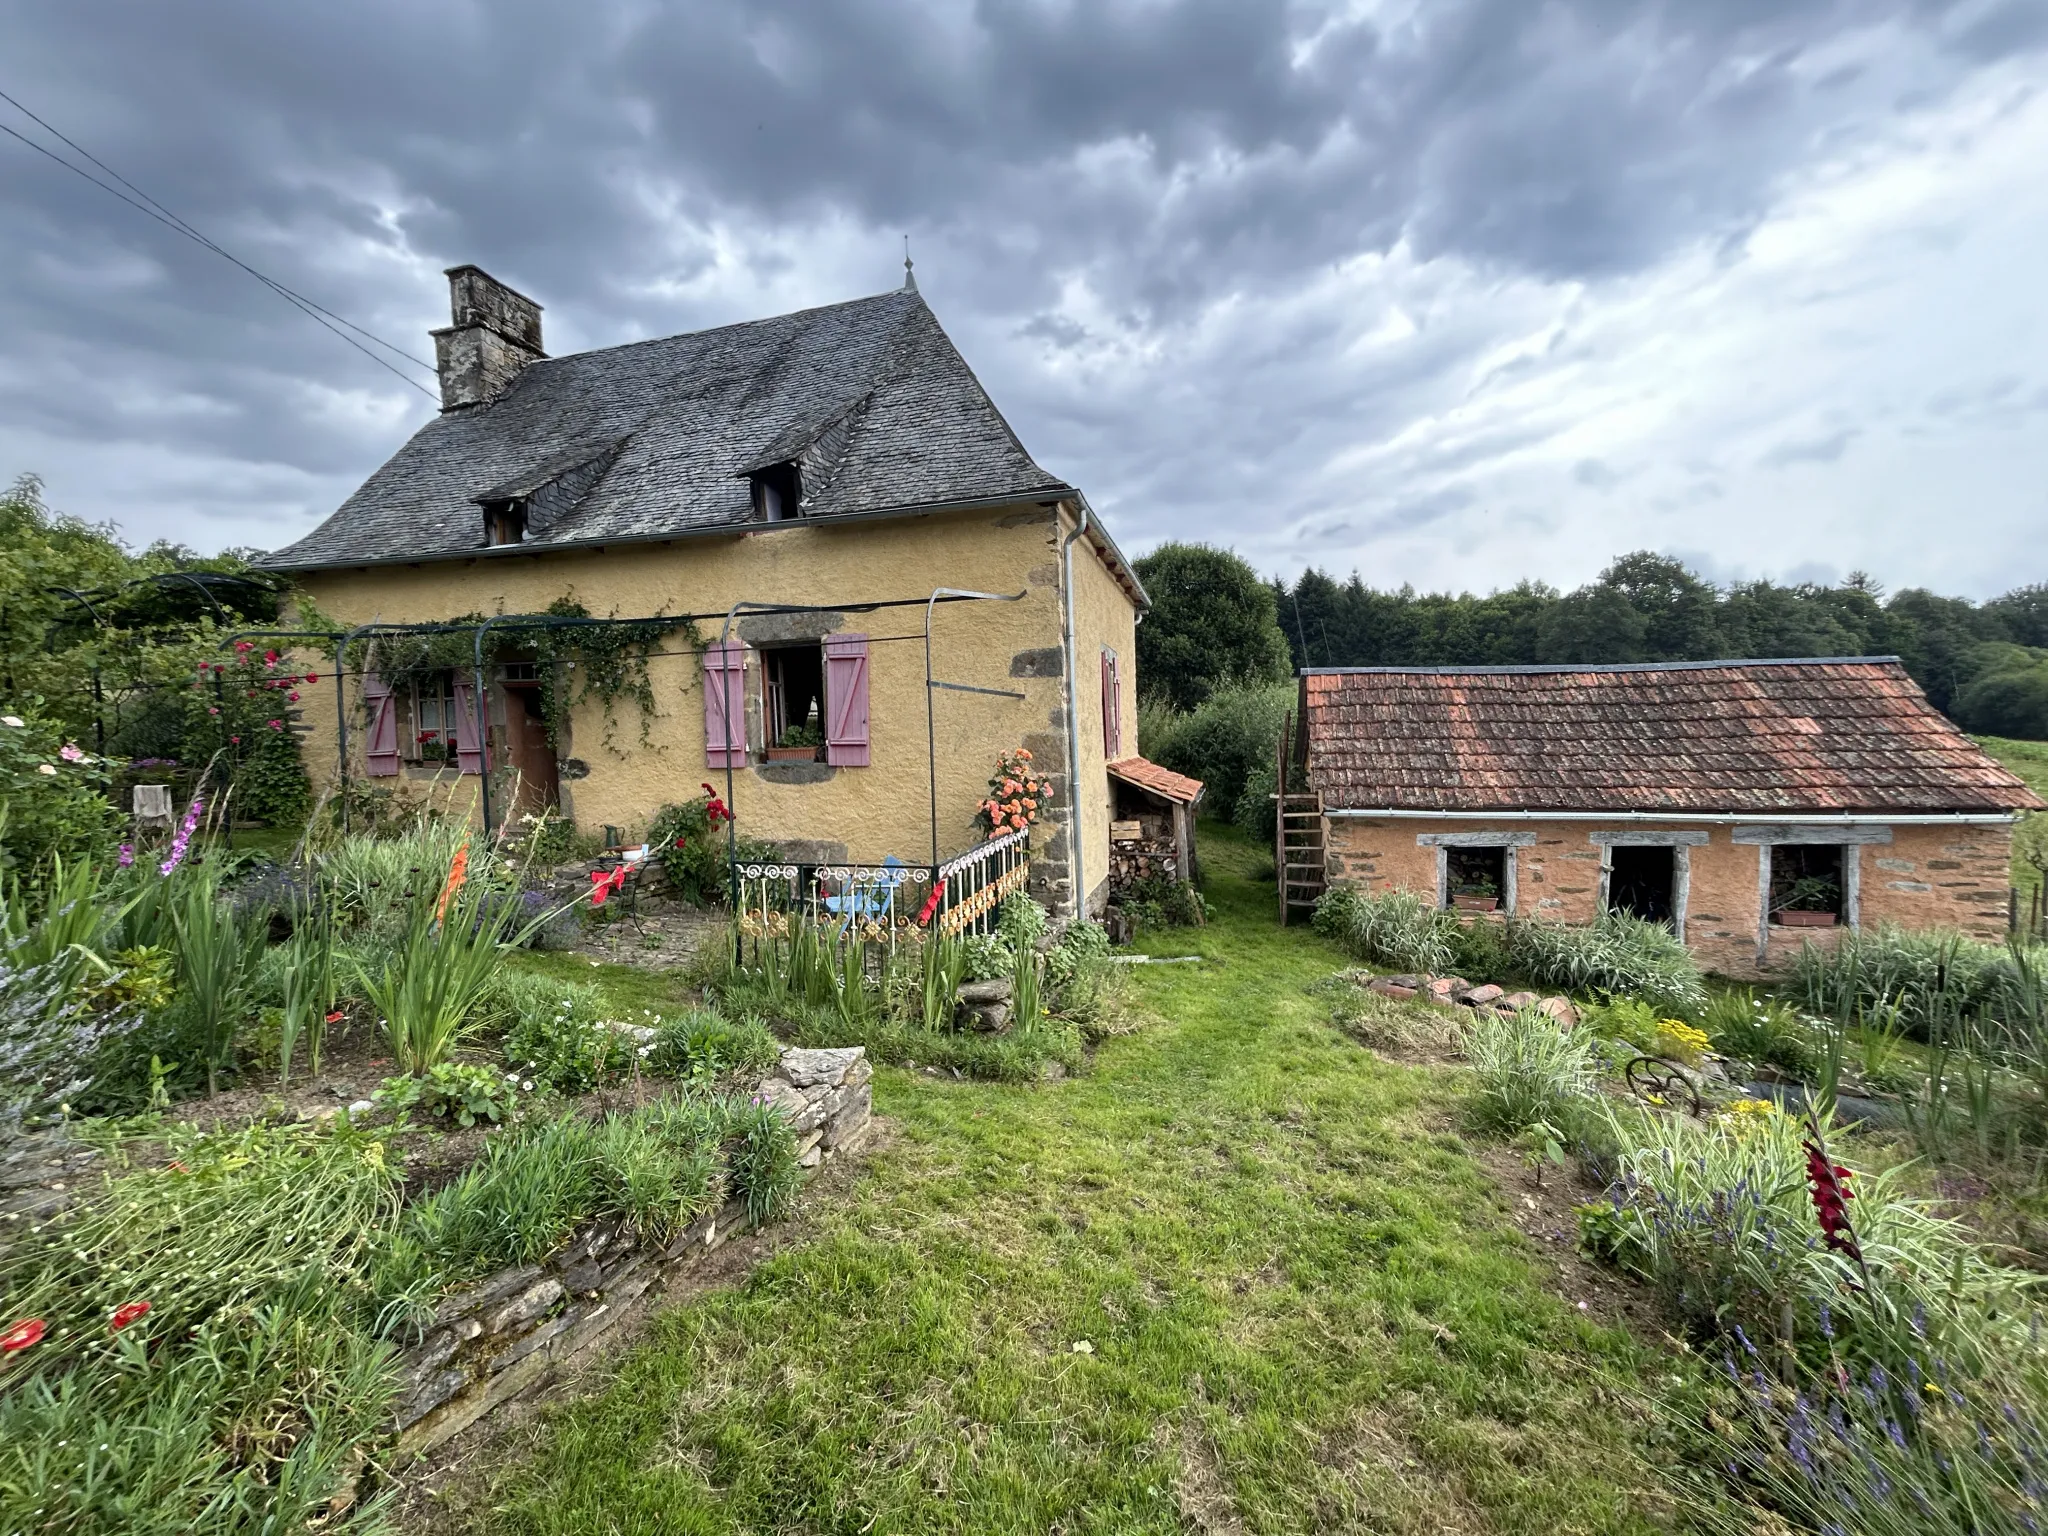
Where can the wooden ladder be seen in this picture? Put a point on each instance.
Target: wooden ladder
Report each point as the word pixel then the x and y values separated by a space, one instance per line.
pixel 1297 839
pixel 1299 856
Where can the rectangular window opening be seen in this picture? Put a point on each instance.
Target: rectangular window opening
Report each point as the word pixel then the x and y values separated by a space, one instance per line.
pixel 1643 882
pixel 793 696
pixel 778 493
pixel 505 522
pixel 1807 886
pixel 433 719
pixel 1475 879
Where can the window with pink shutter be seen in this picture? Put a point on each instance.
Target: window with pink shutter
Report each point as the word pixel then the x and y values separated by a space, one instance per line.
pixel 381 745
pixel 725 704
pixel 846 700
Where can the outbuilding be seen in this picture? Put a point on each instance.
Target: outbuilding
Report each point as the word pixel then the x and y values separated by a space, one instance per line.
pixel 1752 805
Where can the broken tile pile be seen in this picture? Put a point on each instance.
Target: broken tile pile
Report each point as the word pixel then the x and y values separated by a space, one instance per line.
pixel 508 1334
pixel 1457 992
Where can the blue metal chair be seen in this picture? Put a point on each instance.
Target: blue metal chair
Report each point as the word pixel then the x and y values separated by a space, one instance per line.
pixel 868 899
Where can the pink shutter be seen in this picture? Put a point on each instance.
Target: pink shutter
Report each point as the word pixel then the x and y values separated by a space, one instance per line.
pixel 846 700
pixel 469 754
pixel 725 704
pixel 381 746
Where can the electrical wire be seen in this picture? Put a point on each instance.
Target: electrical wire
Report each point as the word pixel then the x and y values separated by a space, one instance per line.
pixel 319 314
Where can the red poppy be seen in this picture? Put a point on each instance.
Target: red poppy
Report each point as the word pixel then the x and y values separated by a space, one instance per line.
pixel 336 1017
pixel 127 1313
pixel 21 1336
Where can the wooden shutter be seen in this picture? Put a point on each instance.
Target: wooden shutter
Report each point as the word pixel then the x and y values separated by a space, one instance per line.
pixel 846 700
pixel 469 754
pixel 382 743
pixel 725 704
pixel 1112 708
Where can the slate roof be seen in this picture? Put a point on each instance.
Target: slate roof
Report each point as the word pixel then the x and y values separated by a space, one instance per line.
pixel 909 426
pixel 1836 735
pixel 1163 782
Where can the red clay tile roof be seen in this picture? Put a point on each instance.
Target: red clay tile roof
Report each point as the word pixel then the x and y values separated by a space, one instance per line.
pixel 1747 737
pixel 1161 781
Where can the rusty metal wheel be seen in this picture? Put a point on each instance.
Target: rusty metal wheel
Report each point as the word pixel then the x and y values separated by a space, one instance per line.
pixel 1663 1083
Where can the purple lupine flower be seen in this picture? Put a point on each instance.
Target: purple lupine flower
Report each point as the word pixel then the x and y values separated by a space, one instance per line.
pixel 183 839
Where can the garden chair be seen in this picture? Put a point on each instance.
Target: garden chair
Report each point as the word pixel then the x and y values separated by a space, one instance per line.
pixel 868 899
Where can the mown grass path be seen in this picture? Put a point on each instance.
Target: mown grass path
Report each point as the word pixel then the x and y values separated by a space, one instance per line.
pixel 1301 1309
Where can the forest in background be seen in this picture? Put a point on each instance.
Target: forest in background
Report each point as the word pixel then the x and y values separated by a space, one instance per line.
pixel 1983 664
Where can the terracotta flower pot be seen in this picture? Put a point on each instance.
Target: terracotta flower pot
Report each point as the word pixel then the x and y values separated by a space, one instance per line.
pixel 1476 903
pixel 792 754
pixel 1804 919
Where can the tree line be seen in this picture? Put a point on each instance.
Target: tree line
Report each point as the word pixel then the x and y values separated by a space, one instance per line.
pixel 1215 624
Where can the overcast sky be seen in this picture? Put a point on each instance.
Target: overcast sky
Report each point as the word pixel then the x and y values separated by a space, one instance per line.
pixel 1450 294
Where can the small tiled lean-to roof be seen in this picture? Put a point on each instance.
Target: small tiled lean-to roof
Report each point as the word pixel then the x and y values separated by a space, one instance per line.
pixel 1833 735
pixel 654 439
pixel 1160 781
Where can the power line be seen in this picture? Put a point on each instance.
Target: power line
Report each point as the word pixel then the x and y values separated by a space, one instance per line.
pixel 155 210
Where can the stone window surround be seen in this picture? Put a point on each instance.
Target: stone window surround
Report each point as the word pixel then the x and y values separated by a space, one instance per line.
pixel 1681 845
pixel 1851 840
pixel 1510 841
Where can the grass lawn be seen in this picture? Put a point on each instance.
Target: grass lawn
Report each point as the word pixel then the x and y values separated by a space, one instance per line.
pixel 1242 1276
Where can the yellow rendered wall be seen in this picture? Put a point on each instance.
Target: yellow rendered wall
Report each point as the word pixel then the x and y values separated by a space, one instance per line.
pixel 1931 876
pixel 875 811
pixel 1104 616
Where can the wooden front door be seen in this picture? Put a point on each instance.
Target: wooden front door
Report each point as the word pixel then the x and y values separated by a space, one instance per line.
pixel 532 754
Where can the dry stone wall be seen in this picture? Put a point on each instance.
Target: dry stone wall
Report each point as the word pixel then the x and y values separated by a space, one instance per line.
pixel 511 1332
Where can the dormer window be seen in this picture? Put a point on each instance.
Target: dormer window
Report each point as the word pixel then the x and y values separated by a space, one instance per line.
pixel 778 493
pixel 505 521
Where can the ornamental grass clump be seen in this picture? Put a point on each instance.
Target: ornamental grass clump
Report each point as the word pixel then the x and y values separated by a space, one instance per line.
pixel 1720 1215
pixel 1529 1071
pixel 1392 928
pixel 1617 954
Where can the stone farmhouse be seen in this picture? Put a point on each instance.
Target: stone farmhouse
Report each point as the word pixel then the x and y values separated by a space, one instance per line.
pixel 809 490
pixel 1753 805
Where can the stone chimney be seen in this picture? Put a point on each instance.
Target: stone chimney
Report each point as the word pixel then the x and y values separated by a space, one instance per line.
pixel 496 332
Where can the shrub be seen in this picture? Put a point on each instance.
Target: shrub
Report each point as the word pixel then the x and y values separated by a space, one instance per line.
pixel 1392 928
pixel 688 841
pixel 1617 953
pixel 571 1048
pixel 760 1162
pixel 1257 813
pixel 51 804
pixel 1077 971
pixel 1157 902
pixel 1225 740
pixel 1530 1072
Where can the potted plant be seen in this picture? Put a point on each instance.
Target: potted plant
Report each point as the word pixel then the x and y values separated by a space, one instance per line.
pixel 1810 903
pixel 798 744
pixel 1480 895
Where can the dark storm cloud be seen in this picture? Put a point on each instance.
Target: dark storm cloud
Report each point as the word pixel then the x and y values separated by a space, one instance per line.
pixel 1169 157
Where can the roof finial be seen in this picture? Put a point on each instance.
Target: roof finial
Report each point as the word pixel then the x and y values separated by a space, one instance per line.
pixel 909 275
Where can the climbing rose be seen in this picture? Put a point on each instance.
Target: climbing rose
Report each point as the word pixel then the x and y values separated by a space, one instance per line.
pixel 70 753
pixel 127 1313
pixel 21 1336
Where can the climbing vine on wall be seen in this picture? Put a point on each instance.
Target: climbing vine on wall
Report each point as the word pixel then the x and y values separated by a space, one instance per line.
pixel 575 663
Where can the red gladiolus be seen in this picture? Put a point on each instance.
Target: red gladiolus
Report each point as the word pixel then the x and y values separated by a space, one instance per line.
pixel 126 1314
pixel 1831 1197
pixel 21 1336
pixel 605 881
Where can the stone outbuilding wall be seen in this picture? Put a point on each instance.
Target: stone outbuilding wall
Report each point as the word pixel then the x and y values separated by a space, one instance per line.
pixel 1950 875
pixel 510 1333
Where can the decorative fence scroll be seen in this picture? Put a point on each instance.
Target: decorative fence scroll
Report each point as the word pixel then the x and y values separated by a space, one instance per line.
pixel 885 904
